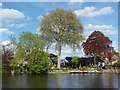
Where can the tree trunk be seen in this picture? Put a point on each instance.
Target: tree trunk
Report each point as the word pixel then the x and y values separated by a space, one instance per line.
pixel 59 54
pixel 95 59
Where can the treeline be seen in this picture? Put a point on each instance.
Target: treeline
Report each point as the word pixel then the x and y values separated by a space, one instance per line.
pixel 28 54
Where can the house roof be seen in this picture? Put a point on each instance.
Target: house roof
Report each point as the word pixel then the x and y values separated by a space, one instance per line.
pixel 91 59
pixel 52 55
pixel 68 58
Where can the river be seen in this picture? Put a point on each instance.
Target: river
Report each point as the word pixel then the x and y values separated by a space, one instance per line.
pixel 60 81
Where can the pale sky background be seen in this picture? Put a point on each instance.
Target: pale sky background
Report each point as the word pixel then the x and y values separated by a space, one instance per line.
pixel 25 16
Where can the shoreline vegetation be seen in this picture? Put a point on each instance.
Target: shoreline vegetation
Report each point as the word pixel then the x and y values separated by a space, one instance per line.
pixel 72 71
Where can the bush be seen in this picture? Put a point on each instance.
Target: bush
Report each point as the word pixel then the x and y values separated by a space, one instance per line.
pixel 13 64
pixel 75 61
pixel 38 62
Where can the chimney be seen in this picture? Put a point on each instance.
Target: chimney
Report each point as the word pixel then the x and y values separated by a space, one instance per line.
pixel 3 48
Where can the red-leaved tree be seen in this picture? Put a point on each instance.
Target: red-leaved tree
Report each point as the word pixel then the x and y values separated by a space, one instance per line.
pixel 98 45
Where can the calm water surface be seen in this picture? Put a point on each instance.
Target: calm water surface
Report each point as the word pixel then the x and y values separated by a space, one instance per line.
pixel 61 81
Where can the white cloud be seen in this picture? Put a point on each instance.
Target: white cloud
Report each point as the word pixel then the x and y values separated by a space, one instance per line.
pixel 106 29
pixel 20 25
pixel 5 31
pixel 93 12
pixel 17 25
pixel 10 15
pixel 39 18
pixel 66 51
pixel 5 42
pixel 12 25
pixel 90 26
pixel 0 4
pixel 115 45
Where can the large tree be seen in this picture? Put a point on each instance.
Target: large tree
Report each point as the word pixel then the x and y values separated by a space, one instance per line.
pixel 61 27
pixel 98 45
pixel 31 48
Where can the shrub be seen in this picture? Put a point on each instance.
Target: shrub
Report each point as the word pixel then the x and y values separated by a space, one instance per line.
pixel 75 61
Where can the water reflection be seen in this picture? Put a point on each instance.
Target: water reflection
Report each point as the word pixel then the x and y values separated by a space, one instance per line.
pixel 61 81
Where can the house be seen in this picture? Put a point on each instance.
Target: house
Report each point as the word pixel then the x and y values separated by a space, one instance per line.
pixel 90 61
pixel 112 61
pixel 85 61
pixel 53 60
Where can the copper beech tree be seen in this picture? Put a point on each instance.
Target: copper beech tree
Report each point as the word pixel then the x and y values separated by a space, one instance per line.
pixel 98 45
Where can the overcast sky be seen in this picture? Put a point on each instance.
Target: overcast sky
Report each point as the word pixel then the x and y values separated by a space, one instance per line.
pixel 25 16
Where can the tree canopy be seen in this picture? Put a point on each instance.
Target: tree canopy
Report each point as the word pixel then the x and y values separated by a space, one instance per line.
pixel 98 45
pixel 13 43
pixel 62 27
pixel 31 48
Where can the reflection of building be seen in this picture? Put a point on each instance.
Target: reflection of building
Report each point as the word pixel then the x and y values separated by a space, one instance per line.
pixel 112 60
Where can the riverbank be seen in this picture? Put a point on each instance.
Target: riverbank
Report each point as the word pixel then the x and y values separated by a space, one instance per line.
pixel 82 72
pixel 71 71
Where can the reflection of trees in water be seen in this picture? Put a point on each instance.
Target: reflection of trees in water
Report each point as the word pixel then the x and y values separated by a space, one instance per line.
pixel 5 81
pixel 61 81
pixel 113 80
pixel 109 80
pixel 37 81
pixel 58 81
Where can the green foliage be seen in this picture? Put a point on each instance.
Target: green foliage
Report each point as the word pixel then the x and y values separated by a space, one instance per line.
pixel 118 61
pixel 115 53
pixel 31 47
pixel 75 59
pixel 27 43
pixel 9 52
pixel 53 67
pixel 21 67
pixel 61 27
pixel 38 62
pixel 13 43
pixel 64 25
pixel 1 51
pixel 13 64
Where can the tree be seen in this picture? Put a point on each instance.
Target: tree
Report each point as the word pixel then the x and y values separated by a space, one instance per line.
pixel 6 58
pixel 115 53
pixel 75 61
pixel 31 47
pixel 13 43
pixel 61 27
pixel 98 45
pixel 1 51
pixel 38 62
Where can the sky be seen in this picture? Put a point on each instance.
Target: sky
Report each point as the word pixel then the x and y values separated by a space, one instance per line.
pixel 25 16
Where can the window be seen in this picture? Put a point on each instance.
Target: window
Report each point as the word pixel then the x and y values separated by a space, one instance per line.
pixel 115 59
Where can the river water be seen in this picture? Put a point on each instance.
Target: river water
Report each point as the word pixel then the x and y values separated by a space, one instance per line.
pixel 60 81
